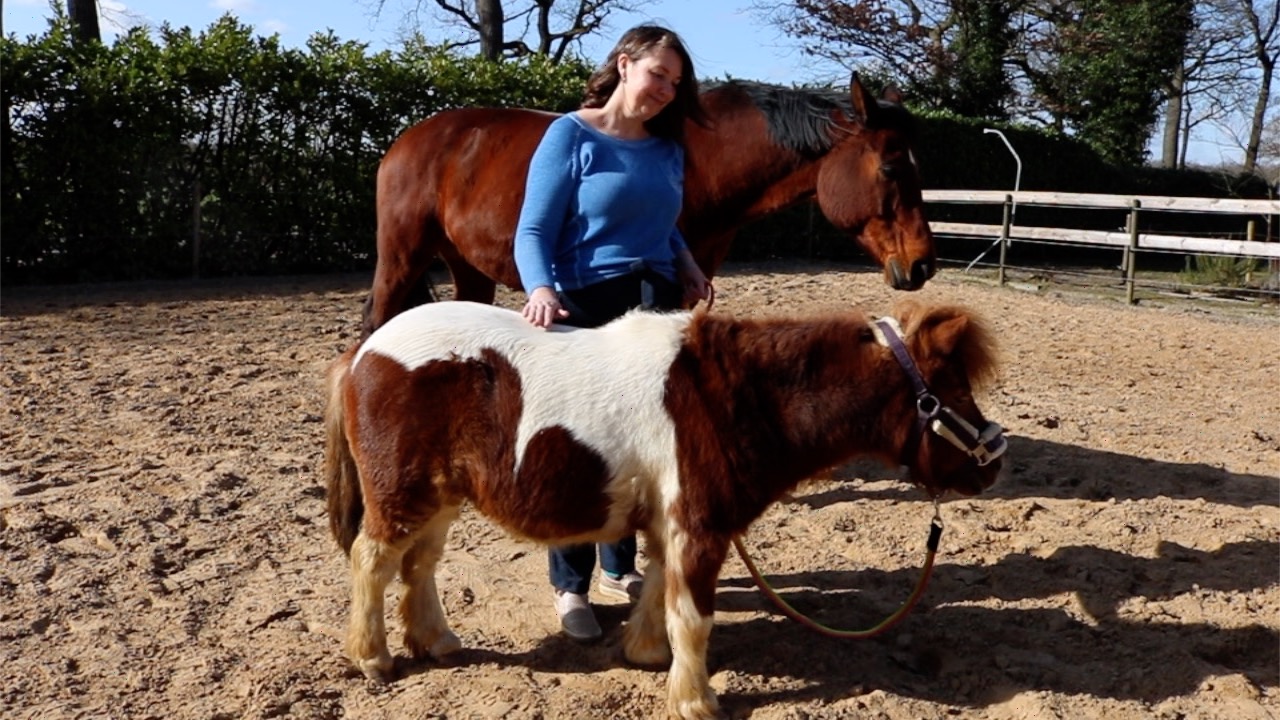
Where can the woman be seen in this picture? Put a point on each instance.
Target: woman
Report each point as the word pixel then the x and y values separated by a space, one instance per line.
pixel 597 237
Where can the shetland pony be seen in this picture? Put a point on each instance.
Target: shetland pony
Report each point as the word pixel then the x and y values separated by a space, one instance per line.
pixel 452 185
pixel 682 426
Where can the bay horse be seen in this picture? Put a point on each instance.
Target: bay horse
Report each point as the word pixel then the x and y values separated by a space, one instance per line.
pixel 683 426
pixel 452 186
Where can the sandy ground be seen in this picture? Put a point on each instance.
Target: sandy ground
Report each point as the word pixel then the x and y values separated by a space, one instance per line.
pixel 164 549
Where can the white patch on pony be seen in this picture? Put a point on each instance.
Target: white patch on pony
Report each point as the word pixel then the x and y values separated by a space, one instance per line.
pixel 878 332
pixel 688 691
pixel 605 385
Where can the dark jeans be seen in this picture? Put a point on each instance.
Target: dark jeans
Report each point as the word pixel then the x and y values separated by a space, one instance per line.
pixel 592 306
pixel 598 304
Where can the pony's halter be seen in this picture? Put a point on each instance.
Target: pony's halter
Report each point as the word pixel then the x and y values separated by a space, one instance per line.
pixel 984 447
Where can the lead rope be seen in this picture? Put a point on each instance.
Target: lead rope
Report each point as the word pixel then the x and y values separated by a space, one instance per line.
pixel 935 533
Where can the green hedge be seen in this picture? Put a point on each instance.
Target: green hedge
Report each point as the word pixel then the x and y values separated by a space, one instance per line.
pixel 110 152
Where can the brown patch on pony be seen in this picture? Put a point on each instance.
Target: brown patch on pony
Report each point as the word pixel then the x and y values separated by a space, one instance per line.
pixel 732 391
pixel 559 490
pixel 426 449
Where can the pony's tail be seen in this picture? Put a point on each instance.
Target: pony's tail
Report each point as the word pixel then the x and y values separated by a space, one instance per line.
pixel 345 503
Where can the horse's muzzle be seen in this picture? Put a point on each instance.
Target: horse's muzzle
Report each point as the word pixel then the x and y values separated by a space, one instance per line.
pixel 921 271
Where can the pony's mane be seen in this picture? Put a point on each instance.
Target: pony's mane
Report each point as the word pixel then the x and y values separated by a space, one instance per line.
pixel 804 120
pixel 786 338
pixel 976 348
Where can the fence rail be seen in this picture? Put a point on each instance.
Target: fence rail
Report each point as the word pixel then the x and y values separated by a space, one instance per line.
pixel 1131 240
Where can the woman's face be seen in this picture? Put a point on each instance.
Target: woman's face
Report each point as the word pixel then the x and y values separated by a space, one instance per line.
pixel 649 82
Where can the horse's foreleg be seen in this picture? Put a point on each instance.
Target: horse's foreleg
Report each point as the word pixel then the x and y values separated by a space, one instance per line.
pixel 426 629
pixel 645 637
pixel 373 565
pixel 469 283
pixel 693 567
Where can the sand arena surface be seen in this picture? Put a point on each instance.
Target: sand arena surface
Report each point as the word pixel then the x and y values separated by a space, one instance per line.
pixel 164 551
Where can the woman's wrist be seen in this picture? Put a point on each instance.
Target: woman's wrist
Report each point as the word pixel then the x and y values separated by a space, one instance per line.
pixel 543 292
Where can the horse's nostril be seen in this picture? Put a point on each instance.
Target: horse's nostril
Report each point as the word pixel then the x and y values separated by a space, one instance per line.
pixel 921 271
pixel 900 280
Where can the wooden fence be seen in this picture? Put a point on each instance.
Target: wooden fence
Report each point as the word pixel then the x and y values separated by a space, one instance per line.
pixel 1132 240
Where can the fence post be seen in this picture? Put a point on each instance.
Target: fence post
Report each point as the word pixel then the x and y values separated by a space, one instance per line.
pixel 1004 236
pixel 195 230
pixel 1131 252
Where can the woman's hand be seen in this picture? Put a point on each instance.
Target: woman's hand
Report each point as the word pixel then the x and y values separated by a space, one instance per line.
pixel 695 283
pixel 543 307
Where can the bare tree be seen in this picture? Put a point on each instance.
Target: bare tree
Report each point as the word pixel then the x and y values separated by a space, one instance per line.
pixel 1212 69
pixel 1269 151
pixel 1229 73
pixel 905 38
pixel 489 25
pixel 1261 21
pixel 84 17
pixel 515 28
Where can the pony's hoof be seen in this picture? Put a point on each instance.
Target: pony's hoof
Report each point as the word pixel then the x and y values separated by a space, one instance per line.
pixel 647 654
pixel 446 645
pixel 379 668
pixel 696 711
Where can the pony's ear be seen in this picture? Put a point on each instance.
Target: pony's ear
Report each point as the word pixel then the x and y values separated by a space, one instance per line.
pixel 936 330
pixel 955 334
pixel 892 94
pixel 864 103
pixel 940 335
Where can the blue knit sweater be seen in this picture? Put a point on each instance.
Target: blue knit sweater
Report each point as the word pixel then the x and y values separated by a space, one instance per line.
pixel 594 204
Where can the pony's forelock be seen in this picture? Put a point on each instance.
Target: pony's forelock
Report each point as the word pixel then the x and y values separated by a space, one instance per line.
pixel 976 347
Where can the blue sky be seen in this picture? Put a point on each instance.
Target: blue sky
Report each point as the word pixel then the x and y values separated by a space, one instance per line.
pixel 724 38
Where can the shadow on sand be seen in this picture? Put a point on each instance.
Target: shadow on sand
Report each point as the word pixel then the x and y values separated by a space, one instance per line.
pixel 954 651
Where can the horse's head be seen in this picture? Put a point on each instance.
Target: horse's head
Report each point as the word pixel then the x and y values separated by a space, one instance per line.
pixel 944 439
pixel 869 186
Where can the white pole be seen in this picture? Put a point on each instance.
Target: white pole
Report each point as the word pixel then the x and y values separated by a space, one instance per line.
pixel 1017 179
pixel 1013 210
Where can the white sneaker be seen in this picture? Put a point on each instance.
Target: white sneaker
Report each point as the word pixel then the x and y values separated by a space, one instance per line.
pixel 627 587
pixel 576 617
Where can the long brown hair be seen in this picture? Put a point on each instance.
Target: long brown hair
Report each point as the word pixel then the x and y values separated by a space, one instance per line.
pixel 642 41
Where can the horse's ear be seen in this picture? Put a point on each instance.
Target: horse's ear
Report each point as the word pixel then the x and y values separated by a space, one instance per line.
pixel 892 94
pixel 864 103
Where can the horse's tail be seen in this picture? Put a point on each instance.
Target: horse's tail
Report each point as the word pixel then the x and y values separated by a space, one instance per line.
pixel 345 503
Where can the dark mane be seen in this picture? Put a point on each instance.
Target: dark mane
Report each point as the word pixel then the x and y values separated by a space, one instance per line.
pixel 804 120
pixel 800 120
